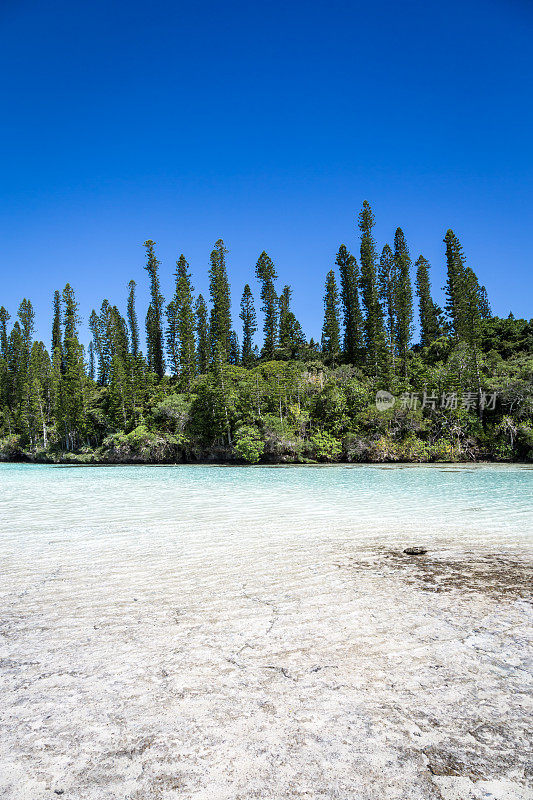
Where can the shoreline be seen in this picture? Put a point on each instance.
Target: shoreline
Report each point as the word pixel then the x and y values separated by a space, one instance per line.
pixel 74 462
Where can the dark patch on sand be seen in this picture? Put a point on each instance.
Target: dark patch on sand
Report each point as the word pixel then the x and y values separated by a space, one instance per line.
pixel 500 576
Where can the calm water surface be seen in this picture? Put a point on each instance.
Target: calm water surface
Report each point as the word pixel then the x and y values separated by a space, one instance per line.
pixel 207 506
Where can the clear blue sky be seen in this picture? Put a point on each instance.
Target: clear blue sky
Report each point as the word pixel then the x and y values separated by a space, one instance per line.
pixel 266 124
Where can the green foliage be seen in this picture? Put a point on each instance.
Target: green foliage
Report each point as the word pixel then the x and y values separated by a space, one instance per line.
pixel 181 326
pixel 132 320
pixel 325 447
pixel 220 321
pixel 248 444
pixel 249 325
pixel 331 330
pixel 352 316
pixel 266 274
pixel 293 402
pixel 429 312
pixel 154 318
pixel 403 298
pixel 388 289
pixel 142 445
pixel 376 356
pixel 202 334
pixel 292 343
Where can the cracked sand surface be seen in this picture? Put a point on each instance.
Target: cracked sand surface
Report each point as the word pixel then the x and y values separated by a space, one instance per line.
pixel 210 634
pixel 359 673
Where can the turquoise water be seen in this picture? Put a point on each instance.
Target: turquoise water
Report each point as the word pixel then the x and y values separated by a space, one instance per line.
pixel 94 506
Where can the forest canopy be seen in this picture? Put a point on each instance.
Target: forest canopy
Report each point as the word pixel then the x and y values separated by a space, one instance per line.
pixel 202 390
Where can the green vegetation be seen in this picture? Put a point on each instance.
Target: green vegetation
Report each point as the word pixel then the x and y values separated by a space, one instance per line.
pixel 464 392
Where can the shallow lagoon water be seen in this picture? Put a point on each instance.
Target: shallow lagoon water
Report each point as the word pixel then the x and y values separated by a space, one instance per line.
pixel 478 503
pixel 212 632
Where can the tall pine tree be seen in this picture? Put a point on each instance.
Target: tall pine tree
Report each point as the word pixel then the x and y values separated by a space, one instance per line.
pixel 351 307
pixel 202 335
pixel 132 319
pixel 404 298
pixel 291 337
pixel 373 324
pixel 387 282
pixel 4 319
pixel 249 326
pixel 429 312
pixel 73 405
pixel 154 326
pixel 185 320
pixel 56 326
pixel 455 285
pixel 173 353
pixel 266 274
pixel 220 321
pixel 330 328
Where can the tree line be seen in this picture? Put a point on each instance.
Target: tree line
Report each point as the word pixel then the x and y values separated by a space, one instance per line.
pixel 69 397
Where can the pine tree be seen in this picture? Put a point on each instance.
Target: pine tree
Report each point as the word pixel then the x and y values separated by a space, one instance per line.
pixel 474 299
pixel 39 394
pixel 109 332
pixel 373 325
pixel 173 354
pixel 185 321
pixel 220 322
pixel 387 281
pixel 291 337
pixel 154 327
pixel 151 338
pixel 92 369
pixel 4 319
pixel 57 390
pixel 266 274
pixel 429 312
pixel 202 334
pixel 353 319
pixel 118 393
pixel 234 350
pixel 484 305
pixel 466 300
pixel 330 328
pixel 26 316
pixel 118 334
pixel 56 323
pixel 285 327
pixel 70 314
pixel 73 401
pixel 132 319
pixel 454 289
pixel 97 346
pixel 249 326
pixel 16 366
pixel 220 395
pixel 403 297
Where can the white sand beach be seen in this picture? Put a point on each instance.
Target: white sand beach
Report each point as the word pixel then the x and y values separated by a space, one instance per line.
pixel 259 662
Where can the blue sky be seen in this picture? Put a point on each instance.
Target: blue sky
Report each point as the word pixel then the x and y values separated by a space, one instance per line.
pixel 266 125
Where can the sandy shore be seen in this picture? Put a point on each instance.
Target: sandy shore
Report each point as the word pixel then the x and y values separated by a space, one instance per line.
pixel 340 673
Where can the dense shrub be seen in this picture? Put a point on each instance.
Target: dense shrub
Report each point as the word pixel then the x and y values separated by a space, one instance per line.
pixel 325 447
pixel 248 444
